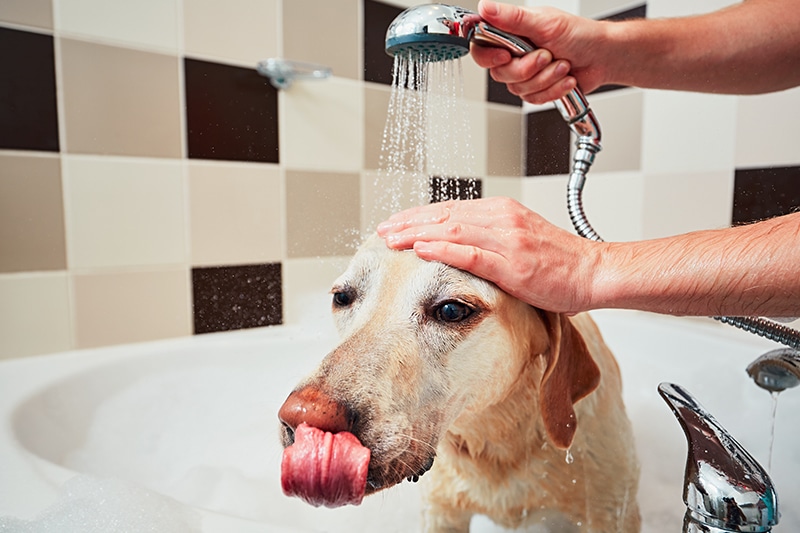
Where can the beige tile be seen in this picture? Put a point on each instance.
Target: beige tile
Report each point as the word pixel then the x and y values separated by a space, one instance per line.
pixel 118 308
pixel 34 314
pixel 456 137
pixel 502 186
pixel 236 213
pixel 325 33
pixel 239 31
pixel 322 125
pixel 307 286
pixel 31 214
pixel 384 194
pixel 322 213
pixel 620 114
pixel 120 101
pixel 37 13
pixel 124 212
pixel 604 8
pixel 376 106
pixel 504 141
pixel 766 129
pixel 144 23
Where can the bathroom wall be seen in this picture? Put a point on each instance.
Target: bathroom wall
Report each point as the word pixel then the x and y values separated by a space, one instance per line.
pixel 153 185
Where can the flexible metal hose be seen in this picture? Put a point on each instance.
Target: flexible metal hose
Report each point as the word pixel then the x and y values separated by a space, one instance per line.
pixel 582 161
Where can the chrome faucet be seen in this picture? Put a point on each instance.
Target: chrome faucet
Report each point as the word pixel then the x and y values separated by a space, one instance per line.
pixel 725 489
pixel 776 370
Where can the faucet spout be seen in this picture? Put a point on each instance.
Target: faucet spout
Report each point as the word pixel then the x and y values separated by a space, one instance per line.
pixel 725 489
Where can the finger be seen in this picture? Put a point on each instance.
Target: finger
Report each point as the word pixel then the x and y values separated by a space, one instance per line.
pixel 489 56
pixel 415 216
pixel 548 77
pixel 555 92
pixel 482 263
pixel 510 18
pixel 524 68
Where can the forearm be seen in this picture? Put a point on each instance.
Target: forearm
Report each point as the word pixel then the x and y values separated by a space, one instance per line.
pixel 748 48
pixel 750 270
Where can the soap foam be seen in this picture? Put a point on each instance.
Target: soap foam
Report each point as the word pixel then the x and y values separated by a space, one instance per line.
pixel 88 504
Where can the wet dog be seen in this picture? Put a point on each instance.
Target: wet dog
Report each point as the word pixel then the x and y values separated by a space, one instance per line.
pixel 517 412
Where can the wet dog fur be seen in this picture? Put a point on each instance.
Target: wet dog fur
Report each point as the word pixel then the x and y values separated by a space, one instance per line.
pixel 520 408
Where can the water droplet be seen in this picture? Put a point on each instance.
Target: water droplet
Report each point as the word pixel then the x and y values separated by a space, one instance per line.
pixel 569 458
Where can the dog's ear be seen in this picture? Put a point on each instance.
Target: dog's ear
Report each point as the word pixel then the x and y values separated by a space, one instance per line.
pixel 570 375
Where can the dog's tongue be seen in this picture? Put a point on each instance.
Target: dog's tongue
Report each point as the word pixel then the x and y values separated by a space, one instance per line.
pixel 325 468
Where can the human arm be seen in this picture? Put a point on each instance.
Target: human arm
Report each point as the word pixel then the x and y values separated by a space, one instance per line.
pixel 751 270
pixel 747 48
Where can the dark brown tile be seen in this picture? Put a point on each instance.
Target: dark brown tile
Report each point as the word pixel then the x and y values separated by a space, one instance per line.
pixel 28 109
pixel 497 93
pixel 761 193
pixel 231 113
pixel 237 297
pixel 442 189
pixel 547 144
pixel 378 65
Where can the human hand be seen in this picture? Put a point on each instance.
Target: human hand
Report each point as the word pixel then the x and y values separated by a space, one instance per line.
pixel 564 59
pixel 502 241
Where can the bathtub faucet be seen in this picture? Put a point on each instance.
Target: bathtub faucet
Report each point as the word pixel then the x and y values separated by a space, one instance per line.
pixel 725 489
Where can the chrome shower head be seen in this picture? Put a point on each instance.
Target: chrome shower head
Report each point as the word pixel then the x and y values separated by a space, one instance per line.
pixel 776 370
pixel 439 32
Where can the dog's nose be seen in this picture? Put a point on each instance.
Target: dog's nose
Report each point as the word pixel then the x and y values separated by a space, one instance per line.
pixel 317 409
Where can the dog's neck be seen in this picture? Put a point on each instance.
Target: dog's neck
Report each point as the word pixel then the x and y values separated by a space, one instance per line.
pixel 495 433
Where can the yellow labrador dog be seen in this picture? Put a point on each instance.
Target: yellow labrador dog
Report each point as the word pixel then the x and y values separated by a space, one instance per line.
pixel 516 412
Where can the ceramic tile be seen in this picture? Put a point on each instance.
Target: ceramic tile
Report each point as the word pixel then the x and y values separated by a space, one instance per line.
pixel 613 9
pixel 240 31
pixel 322 213
pixel 236 213
pixel 456 137
pixel 678 8
pixel 28 114
pixel 687 132
pixel 377 18
pixel 766 129
pixel 761 193
pixel 144 23
pixel 443 189
pixel 124 212
pixel 323 125
pixel 376 106
pixel 31 214
pixel 497 92
pixel 120 101
pixel 324 33
pixel 36 13
pixel 620 117
pixel 231 113
pixel 510 187
pixel 547 196
pixel 34 314
pixel 384 194
pixel 688 201
pixel 504 142
pixel 547 145
pixel 237 297
pixel 119 308
pixel 613 204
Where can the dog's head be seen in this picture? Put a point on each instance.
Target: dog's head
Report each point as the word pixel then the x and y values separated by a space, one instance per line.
pixel 425 344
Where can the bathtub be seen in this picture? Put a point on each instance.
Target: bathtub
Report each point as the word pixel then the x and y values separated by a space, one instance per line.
pixel 191 423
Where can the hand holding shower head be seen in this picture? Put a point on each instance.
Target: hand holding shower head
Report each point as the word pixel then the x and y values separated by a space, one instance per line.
pixel 440 32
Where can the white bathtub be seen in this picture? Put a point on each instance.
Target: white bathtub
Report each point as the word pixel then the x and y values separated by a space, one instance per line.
pixel 195 419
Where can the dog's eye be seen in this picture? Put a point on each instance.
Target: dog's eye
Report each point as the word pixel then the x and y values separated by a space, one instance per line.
pixel 342 298
pixel 452 312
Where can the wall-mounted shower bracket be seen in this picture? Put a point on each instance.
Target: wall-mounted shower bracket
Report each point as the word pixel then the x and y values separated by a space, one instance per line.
pixel 282 73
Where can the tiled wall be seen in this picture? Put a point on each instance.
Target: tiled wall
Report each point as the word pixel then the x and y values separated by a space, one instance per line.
pixel 153 185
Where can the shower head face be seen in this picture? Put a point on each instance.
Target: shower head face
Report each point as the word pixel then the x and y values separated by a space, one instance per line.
pixel 431 32
pixel 777 370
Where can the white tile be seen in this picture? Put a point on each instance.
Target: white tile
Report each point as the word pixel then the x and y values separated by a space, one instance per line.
pixel 322 125
pixel 124 212
pixel 236 213
pixel 151 24
pixel 240 31
pixel 510 187
pixel 679 203
pixel 619 114
pixel 306 290
pixel 766 129
pixel 34 314
pixel 547 195
pixel 687 132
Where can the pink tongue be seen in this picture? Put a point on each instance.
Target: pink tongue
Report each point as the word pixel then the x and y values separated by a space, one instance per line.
pixel 325 468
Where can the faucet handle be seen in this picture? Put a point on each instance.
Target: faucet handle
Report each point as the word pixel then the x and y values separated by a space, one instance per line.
pixel 725 489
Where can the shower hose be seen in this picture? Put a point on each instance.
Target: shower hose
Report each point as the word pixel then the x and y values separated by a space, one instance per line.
pixel 762 327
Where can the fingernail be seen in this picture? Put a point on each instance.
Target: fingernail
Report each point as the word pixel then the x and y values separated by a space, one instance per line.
pixel 562 68
pixel 487 7
pixel 382 228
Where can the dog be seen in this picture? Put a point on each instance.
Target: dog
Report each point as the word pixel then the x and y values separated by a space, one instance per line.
pixel 517 412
